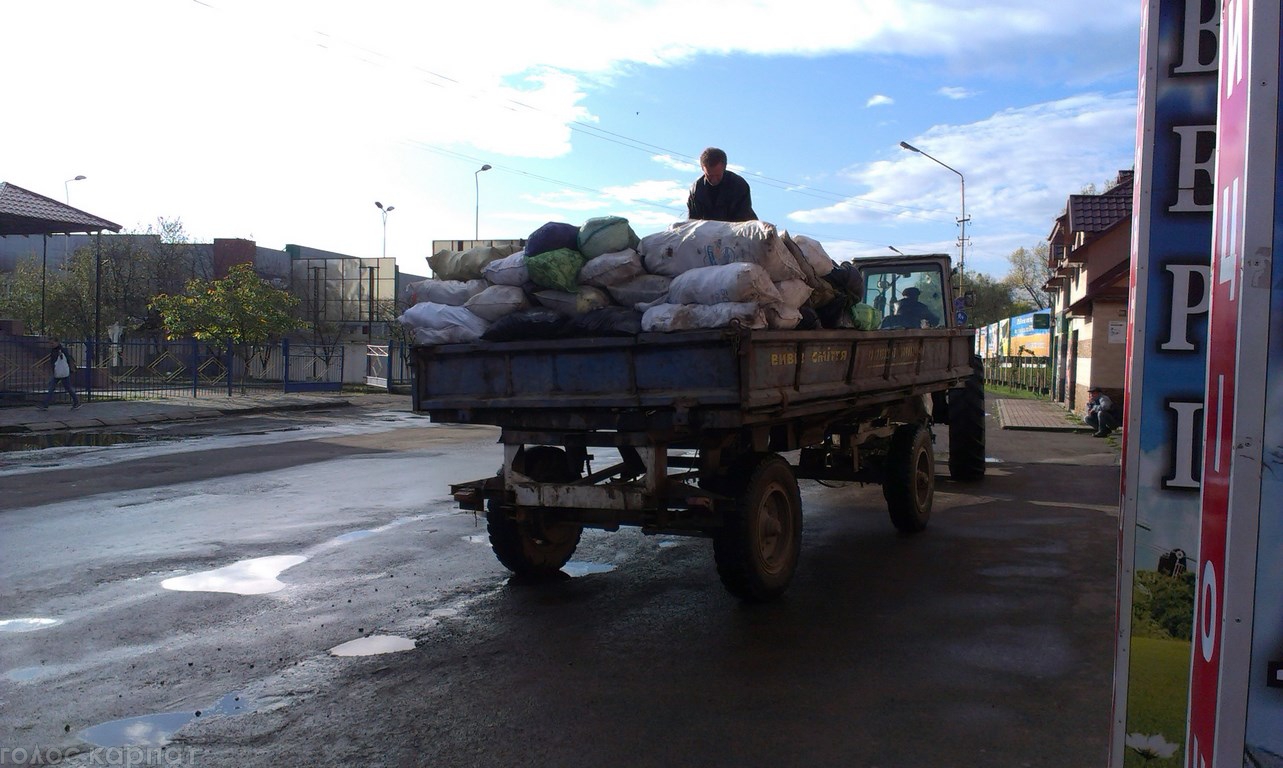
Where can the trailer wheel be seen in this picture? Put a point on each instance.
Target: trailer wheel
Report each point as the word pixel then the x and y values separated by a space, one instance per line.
pixel 910 478
pixel 757 549
pixel 967 426
pixel 536 545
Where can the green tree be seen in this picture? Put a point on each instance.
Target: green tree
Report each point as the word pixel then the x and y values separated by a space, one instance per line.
pixel 242 310
pixel 1029 273
pixel 992 300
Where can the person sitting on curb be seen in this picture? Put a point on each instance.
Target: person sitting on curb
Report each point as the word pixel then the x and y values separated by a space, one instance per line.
pixel 62 364
pixel 1100 413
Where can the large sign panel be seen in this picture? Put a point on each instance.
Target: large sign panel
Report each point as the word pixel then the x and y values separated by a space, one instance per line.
pixel 1236 690
pixel 1166 368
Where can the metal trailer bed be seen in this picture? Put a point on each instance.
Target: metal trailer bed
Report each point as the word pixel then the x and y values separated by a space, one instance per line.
pixel 699 420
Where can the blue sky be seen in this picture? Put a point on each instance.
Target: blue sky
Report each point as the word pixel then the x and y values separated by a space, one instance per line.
pixel 283 121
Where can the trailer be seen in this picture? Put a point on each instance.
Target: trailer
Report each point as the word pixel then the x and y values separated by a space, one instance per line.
pixel 694 426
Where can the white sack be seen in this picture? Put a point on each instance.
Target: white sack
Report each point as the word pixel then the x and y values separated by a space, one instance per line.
pixel 497 301
pixel 442 324
pixel 723 283
pixel 510 270
pixel 783 318
pixel 815 254
pixel 686 245
pixel 685 317
pixel 643 289
pixel 793 293
pixel 466 265
pixel 585 300
pixel 454 293
pixel 612 268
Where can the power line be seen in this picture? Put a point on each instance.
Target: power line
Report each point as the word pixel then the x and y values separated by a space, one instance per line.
pixel 611 136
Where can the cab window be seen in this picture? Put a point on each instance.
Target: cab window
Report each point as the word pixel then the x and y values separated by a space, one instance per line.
pixel 906 299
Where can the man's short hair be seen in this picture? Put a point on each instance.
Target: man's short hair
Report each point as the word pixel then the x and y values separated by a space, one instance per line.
pixel 711 157
pixel 1094 389
pixel 911 292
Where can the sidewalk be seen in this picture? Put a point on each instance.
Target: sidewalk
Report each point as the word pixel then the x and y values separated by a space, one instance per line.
pixel 117 413
pixel 1042 415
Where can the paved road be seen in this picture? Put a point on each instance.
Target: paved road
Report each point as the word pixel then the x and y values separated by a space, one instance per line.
pixel 984 641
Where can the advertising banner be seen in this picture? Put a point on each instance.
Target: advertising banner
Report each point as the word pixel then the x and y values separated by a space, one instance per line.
pixel 1159 521
pixel 1236 690
pixel 1031 334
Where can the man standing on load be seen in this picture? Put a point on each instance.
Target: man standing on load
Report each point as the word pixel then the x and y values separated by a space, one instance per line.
pixel 719 195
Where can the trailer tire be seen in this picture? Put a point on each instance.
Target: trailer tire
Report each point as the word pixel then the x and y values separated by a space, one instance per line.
pixel 967 426
pixel 757 548
pixel 909 486
pixel 535 546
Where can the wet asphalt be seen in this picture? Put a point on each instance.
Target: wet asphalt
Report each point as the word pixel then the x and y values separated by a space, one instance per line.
pixel 986 640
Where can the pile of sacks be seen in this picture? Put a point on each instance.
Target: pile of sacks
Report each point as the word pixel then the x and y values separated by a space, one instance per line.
pixel 601 279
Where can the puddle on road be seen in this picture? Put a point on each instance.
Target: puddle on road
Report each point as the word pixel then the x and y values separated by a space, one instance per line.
pixel 27 624
pixel 256 576
pixel 576 568
pixel 992 460
pixel 353 536
pixel 373 645
pixel 25 674
pixel 157 730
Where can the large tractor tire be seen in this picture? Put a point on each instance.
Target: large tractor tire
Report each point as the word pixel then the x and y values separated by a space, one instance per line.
pixel 967 427
pixel 536 545
pixel 909 486
pixel 757 549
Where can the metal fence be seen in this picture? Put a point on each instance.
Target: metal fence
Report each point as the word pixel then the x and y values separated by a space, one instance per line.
pixel 151 368
pixel 1020 372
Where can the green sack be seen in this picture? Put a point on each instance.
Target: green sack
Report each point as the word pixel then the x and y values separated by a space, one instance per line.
pixel 865 317
pixel 606 234
pixel 557 269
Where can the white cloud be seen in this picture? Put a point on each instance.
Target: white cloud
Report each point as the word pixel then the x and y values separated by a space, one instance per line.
pixel 879 100
pixel 677 164
pixel 956 92
pixel 1020 166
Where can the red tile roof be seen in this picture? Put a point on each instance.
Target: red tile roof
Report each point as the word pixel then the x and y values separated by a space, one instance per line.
pixel 23 212
pixel 1094 214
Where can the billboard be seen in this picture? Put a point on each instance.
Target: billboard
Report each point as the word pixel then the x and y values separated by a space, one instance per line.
pixel 1031 334
pixel 1159 521
pixel 1236 677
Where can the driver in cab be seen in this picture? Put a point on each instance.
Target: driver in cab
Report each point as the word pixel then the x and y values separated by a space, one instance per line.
pixel 912 313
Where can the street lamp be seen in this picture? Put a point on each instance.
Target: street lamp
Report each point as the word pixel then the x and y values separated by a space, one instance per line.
pixel 385 212
pixel 962 222
pixel 476 178
pixel 66 252
pixel 66 187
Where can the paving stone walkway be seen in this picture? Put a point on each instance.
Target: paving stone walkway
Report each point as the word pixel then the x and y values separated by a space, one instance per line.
pixel 1037 415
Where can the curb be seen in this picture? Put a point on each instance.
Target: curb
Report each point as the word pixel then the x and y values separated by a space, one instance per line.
pixel 153 417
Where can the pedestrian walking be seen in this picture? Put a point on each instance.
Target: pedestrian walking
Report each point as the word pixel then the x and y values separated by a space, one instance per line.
pixel 62 365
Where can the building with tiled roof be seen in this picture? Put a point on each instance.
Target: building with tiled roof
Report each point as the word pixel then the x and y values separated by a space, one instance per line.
pixel 23 212
pixel 1090 251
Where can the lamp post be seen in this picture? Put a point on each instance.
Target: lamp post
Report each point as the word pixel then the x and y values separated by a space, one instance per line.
pixel 962 222
pixel 66 187
pixel 476 178
pixel 369 327
pixel 66 244
pixel 385 212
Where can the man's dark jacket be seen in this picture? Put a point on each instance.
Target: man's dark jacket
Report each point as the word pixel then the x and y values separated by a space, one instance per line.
pixel 730 200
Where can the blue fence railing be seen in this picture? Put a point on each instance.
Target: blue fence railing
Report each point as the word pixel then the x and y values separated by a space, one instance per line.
pixel 151 368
